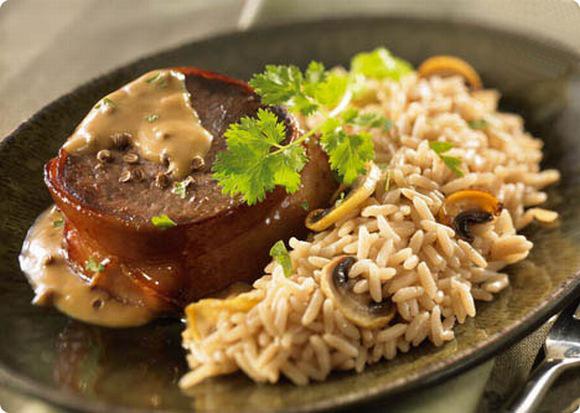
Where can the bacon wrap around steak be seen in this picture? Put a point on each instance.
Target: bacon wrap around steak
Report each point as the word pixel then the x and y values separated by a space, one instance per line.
pixel 217 240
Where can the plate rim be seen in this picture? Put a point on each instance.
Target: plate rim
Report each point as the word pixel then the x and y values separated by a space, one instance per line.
pixel 562 296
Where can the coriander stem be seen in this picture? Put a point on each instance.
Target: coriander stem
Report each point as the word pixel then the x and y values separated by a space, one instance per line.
pixel 297 141
pixel 344 101
pixel 346 98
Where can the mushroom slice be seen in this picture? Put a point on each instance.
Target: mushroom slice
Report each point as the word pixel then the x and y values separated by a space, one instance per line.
pixel 463 209
pixel 450 65
pixel 354 307
pixel 203 315
pixel 320 219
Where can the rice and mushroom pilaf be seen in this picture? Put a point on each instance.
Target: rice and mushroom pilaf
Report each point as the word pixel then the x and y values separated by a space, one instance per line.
pixel 404 256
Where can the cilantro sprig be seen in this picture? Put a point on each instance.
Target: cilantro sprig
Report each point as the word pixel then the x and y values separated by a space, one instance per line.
pixel 348 154
pixel 380 64
pixel 259 157
pixel 452 162
pixel 302 93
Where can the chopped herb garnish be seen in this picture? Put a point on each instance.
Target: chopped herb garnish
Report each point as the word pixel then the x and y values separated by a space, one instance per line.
pixel 159 79
pixel 340 199
pixel 440 147
pixel 257 158
pixel 151 118
pixel 93 266
pixel 348 154
pixel 163 221
pixel 106 102
pixel 281 255
pixel 478 124
pixel 305 206
pixel 368 119
pixel 453 163
pixel 57 223
pixel 180 188
pixel 303 93
pixel 380 64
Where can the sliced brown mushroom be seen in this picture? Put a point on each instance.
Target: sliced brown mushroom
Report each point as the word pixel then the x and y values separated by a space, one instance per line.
pixel 321 219
pixel 354 307
pixel 450 65
pixel 463 209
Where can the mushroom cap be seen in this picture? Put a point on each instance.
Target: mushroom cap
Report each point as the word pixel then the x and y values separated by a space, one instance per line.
pixel 462 209
pixel 450 65
pixel 354 307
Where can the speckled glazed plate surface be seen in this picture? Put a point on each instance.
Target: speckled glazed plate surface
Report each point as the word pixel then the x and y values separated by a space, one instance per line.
pixel 94 369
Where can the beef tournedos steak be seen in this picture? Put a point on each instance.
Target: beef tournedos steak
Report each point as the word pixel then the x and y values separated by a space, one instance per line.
pixel 108 199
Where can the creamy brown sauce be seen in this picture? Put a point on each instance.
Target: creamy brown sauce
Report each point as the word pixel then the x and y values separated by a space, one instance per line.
pixel 43 260
pixel 155 111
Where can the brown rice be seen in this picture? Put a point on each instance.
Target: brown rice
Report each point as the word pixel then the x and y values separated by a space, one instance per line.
pixel 432 277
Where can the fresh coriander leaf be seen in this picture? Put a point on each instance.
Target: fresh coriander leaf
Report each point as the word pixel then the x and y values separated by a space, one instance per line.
pixel 380 64
pixel 57 223
pixel 287 166
pixel 303 93
pixel 440 147
pixel 304 105
pixel 256 159
pixel 163 221
pixel 93 266
pixel 280 254
pixel 315 73
pixel 368 119
pixel 478 124
pixel 374 120
pixel 277 84
pixel 451 162
pixel 151 118
pixel 348 154
pixel 305 206
pixel 349 115
pixel 331 91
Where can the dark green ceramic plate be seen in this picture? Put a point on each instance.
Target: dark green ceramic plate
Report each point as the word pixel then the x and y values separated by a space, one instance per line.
pixel 93 369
